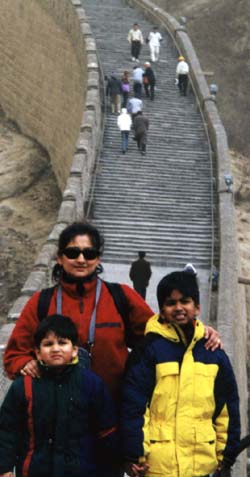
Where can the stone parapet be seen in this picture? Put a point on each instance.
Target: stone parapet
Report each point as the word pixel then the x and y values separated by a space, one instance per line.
pixel 79 165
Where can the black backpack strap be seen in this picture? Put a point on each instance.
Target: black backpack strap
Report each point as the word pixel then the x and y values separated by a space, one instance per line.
pixel 123 309
pixel 44 302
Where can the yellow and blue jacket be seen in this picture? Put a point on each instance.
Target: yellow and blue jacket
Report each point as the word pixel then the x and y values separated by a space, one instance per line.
pixel 180 408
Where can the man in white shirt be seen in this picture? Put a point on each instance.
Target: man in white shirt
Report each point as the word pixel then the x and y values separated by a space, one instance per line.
pixel 154 41
pixel 135 39
pixel 182 72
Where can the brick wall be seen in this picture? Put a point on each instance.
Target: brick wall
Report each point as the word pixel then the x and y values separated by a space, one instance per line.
pixel 43 80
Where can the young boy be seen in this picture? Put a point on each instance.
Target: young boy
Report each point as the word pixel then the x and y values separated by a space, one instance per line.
pixel 180 415
pixel 62 423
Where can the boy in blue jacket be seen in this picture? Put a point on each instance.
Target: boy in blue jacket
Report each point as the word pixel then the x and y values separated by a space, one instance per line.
pixel 63 423
pixel 180 415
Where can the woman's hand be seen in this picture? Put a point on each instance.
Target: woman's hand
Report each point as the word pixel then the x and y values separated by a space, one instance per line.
pixel 7 474
pixel 136 470
pixel 31 369
pixel 213 339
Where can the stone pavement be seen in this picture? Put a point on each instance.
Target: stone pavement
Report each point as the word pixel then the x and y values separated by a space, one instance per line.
pixel 117 272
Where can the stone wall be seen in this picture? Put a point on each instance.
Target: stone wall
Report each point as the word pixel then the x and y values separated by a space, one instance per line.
pixel 77 164
pixel 43 74
pixel 80 169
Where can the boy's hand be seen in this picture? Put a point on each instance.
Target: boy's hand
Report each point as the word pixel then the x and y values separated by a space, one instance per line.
pixel 136 470
pixel 31 369
pixel 226 472
pixel 213 340
pixel 7 474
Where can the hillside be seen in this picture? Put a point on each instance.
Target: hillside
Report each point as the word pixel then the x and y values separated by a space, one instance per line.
pixel 219 30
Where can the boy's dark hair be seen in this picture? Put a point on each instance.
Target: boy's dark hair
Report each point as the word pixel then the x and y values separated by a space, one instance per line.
pixel 62 326
pixel 142 254
pixel 184 282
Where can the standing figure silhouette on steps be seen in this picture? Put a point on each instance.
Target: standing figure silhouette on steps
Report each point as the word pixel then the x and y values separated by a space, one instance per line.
pixel 140 273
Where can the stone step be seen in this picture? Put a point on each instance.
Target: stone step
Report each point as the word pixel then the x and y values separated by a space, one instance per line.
pixel 163 201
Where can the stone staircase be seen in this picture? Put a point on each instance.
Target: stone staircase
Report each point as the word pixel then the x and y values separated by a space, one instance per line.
pixel 161 202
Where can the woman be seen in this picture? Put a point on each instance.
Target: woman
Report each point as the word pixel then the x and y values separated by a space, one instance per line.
pixel 82 294
pixel 125 88
pixel 76 274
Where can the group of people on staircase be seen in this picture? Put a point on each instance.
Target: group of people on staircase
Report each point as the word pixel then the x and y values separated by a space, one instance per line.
pixel 119 89
pixel 174 408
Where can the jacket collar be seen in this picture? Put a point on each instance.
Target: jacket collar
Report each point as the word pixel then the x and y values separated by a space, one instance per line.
pixel 174 332
pixel 53 372
pixel 79 288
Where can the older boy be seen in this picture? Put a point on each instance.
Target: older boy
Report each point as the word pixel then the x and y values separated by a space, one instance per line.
pixel 59 424
pixel 180 405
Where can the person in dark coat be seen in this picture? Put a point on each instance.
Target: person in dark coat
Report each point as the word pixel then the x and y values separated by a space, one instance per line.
pixel 141 125
pixel 140 273
pixel 63 423
pixel 114 91
pixel 149 81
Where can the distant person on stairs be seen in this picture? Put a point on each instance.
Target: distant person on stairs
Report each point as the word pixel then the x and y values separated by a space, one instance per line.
pixel 140 273
pixel 125 88
pixel 114 91
pixel 135 39
pixel 137 76
pixel 182 71
pixel 154 41
pixel 124 123
pixel 134 106
pixel 149 81
pixel 141 125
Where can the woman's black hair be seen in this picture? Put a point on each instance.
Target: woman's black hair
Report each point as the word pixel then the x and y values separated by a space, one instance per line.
pixel 69 233
pixel 184 282
pixel 80 228
pixel 61 326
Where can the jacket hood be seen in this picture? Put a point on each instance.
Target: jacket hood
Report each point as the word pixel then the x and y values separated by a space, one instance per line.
pixel 172 332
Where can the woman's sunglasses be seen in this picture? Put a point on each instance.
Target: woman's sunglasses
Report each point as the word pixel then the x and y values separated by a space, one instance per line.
pixel 74 252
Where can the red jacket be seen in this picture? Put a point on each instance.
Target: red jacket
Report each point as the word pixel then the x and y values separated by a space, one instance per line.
pixel 109 353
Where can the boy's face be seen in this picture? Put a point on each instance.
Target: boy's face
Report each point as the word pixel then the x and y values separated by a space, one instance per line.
pixel 179 309
pixel 56 351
